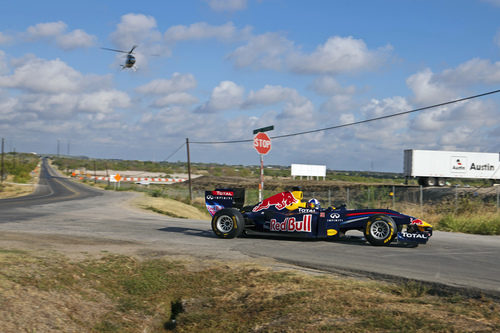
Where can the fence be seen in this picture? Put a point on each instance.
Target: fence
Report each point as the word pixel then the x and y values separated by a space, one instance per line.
pixel 376 196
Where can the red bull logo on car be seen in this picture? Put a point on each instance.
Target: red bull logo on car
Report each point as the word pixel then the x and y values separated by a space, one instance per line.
pixel 290 224
pixel 280 201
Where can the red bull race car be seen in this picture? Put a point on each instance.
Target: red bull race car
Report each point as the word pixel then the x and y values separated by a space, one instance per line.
pixel 285 214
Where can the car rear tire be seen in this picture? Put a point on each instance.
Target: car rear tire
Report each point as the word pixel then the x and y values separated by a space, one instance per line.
pixel 228 223
pixel 380 230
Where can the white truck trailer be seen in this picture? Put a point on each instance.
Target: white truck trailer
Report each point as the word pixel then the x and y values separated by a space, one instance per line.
pixel 434 167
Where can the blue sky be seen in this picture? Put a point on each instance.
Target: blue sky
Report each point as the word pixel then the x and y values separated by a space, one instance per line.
pixel 214 70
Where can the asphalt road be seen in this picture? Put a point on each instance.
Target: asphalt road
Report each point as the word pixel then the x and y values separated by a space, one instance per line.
pixel 62 209
pixel 52 187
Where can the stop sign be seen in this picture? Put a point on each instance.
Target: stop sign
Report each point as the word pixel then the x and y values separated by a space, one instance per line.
pixel 262 143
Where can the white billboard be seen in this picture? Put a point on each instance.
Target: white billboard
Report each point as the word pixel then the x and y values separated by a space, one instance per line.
pixel 308 170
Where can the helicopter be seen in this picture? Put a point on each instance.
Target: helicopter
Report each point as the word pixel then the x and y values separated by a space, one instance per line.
pixel 130 59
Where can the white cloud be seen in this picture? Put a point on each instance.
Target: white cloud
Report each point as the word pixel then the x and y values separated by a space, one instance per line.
pixel 269 95
pixel 262 51
pixel 176 98
pixel 168 122
pixel 338 55
pixel 203 30
pixel 4 39
pixel 4 67
pixel 430 88
pixel 475 114
pixel 50 29
pixel 459 126
pixel 384 129
pixel 458 137
pixel 298 109
pixel 227 5
pixel 328 86
pixel 178 83
pixel 340 98
pixel 427 90
pixel 172 91
pixel 338 103
pixel 492 2
pixel 104 101
pixel 472 72
pixel 431 120
pixel 135 29
pixel 346 118
pixel 48 92
pixel 38 75
pixel 56 32
pixel 227 95
pixel 496 39
pixel 76 39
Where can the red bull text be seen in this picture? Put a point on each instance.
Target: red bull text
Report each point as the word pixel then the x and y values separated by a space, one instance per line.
pixel 290 224
pixel 280 201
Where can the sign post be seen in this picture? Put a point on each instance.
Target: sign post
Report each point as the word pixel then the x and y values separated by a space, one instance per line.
pixel 262 143
pixel 115 179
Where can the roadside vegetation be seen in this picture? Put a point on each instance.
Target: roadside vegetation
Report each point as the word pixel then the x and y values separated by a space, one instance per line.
pixel 20 174
pixel 18 166
pixel 114 293
pixel 468 215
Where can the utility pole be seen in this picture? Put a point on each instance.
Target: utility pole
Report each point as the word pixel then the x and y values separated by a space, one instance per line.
pixel 107 175
pixel 498 197
pixel 57 148
pixel 2 169
pixel 189 171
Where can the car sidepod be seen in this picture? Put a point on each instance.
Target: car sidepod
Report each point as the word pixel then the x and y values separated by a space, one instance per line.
pixel 301 222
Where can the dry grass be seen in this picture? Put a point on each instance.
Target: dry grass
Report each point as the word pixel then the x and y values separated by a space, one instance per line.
pixel 46 292
pixel 13 190
pixel 170 207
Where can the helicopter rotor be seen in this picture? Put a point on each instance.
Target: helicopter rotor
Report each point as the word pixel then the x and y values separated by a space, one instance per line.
pixel 120 51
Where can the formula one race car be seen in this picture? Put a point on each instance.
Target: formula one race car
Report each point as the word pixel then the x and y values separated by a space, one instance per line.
pixel 285 214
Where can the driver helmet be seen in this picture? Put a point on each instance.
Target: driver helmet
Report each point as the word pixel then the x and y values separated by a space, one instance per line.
pixel 314 203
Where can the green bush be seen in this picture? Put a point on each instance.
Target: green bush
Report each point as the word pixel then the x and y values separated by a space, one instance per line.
pixel 482 224
pixel 20 165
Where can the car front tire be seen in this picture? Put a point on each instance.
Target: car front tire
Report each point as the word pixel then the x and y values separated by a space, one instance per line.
pixel 380 230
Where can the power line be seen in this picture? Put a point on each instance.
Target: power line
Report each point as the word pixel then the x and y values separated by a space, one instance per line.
pixel 356 122
pixel 174 152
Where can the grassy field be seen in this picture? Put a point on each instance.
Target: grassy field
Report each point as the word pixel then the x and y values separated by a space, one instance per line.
pixel 47 292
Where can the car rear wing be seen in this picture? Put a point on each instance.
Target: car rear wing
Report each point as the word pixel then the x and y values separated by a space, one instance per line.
pixel 224 198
